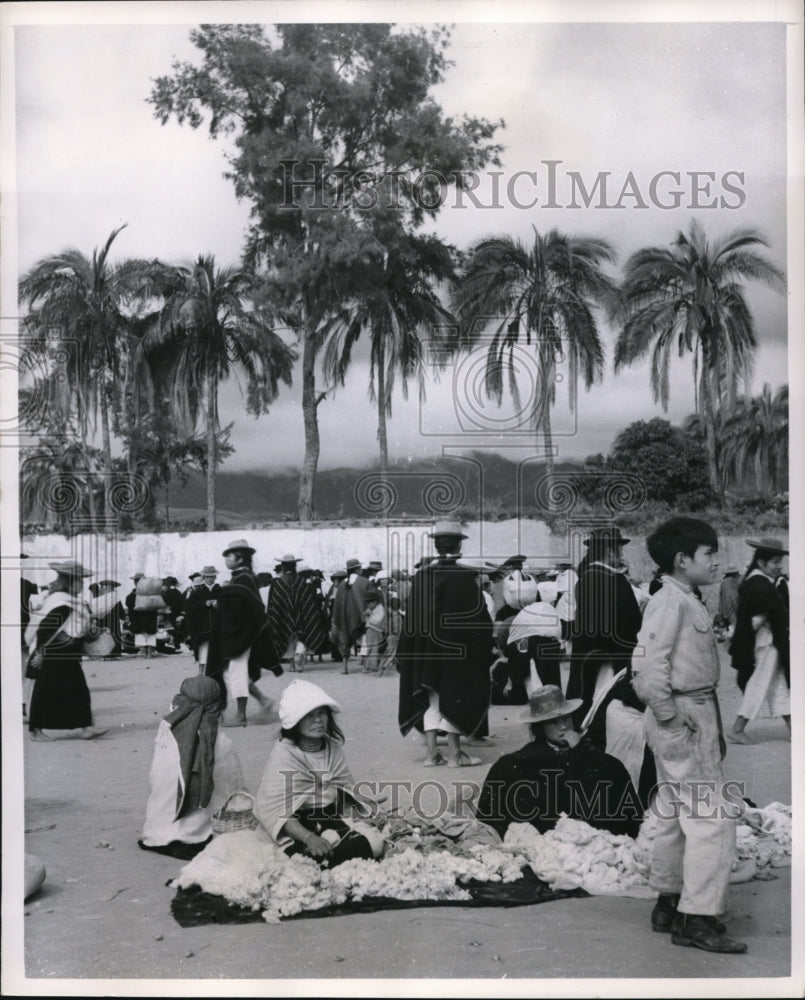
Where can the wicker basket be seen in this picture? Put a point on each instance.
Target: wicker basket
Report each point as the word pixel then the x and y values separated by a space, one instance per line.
pixel 237 813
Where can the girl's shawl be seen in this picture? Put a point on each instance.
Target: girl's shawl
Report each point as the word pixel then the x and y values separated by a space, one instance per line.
pixel 76 625
pixel 194 724
pixel 290 783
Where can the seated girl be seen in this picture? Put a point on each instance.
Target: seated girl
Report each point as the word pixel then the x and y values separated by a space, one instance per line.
pixel 195 769
pixel 558 772
pixel 306 801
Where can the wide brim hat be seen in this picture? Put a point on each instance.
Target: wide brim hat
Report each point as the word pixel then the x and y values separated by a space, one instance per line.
pixel 71 567
pixel 239 545
pixel 108 583
pixel 375 564
pixel 548 702
pixel 338 574
pixel 194 576
pixel 304 568
pixel 606 536
pixel 353 564
pixel 372 594
pixel 299 698
pixel 209 571
pixel 768 545
pixel 453 528
pixel 170 581
pixel 382 575
pixel 289 557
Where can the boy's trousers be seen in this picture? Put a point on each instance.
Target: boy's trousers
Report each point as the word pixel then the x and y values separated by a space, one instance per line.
pixel 694 847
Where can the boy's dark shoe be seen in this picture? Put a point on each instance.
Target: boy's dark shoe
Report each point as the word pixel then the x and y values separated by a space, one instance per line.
pixel 664 912
pixel 690 930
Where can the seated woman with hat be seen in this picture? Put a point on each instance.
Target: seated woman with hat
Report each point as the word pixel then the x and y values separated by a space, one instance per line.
pixel 558 772
pixel 760 643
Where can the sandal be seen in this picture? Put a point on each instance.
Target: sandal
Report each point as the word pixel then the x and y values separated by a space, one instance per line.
pixel 464 760
pixel 434 761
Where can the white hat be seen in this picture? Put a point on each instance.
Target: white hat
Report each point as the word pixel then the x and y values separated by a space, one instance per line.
pixel 383 575
pixel 299 698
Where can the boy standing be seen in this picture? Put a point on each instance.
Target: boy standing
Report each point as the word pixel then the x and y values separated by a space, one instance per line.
pixel 675 670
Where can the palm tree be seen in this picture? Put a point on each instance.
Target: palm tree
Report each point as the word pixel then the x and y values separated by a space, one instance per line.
pixel 77 312
pixel 756 433
pixel 397 304
pixel 543 295
pixel 690 295
pixel 206 323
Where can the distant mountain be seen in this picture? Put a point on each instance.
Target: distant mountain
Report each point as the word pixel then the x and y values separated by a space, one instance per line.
pixel 465 486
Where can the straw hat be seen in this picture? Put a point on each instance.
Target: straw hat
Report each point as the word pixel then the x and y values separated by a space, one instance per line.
pixel 70 567
pixel 289 557
pixel 239 545
pixel 209 571
pixel 732 568
pixel 547 703
pixel 299 698
pixel 448 528
pixel 768 545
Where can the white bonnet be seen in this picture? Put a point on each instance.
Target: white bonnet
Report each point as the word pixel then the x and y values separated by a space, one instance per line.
pixel 299 698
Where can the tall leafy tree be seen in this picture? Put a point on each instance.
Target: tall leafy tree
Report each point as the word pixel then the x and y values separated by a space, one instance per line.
pixel 544 296
pixel 755 435
pixel 396 303
pixel 211 334
pixel 326 119
pixel 690 296
pixel 77 313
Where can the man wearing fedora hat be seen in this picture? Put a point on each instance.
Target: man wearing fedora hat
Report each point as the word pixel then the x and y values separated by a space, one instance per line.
pixel 239 645
pixel 347 623
pixel 199 614
pixel 445 652
pixel 295 621
pixel 558 772
pixel 607 618
pixel 760 647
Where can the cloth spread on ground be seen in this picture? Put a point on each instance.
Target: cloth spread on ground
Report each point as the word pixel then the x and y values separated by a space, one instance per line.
pixel 243 876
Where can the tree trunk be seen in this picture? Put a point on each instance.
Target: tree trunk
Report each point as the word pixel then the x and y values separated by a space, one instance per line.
pixel 710 441
pixel 382 436
pixel 211 451
pixel 107 452
pixel 167 506
pixel 543 423
pixel 307 477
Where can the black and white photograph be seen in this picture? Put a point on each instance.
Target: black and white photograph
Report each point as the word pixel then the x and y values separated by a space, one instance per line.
pixel 401 524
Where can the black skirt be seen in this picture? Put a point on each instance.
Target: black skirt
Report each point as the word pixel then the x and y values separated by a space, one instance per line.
pixel 60 697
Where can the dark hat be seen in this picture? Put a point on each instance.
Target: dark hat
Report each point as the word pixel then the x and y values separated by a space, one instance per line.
pixel 289 557
pixel 137 576
pixel 70 567
pixel 375 564
pixel 170 581
pixel 768 545
pixel 338 574
pixel 108 583
pixel 239 545
pixel 606 536
pixel 547 703
pixel 564 565
pixel 194 576
pixel 372 594
pixel 353 564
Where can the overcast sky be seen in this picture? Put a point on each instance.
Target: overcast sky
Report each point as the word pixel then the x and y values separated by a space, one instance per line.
pixel 596 97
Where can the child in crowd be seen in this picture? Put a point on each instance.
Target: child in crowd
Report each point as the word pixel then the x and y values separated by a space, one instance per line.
pixel 375 617
pixel 675 669
pixel 307 800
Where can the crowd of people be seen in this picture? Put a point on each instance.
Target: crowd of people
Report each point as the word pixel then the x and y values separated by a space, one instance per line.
pixel 638 722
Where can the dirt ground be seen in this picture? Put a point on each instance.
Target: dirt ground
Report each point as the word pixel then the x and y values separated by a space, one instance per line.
pixel 104 911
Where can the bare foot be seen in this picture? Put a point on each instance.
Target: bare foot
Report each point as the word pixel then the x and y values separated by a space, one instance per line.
pixel 39 737
pixel 92 734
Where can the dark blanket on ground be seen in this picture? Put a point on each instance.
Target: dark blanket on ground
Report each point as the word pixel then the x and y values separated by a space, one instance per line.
pixel 192 907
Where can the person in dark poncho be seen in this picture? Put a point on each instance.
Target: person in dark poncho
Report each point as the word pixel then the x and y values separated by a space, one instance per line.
pixel 558 772
pixel 347 623
pixel 445 652
pixel 607 618
pixel 295 620
pixel 194 771
pixel 239 644
pixel 760 643
pixel 199 614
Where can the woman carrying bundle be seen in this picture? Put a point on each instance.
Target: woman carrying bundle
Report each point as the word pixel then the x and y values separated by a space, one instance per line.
pixel 60 697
